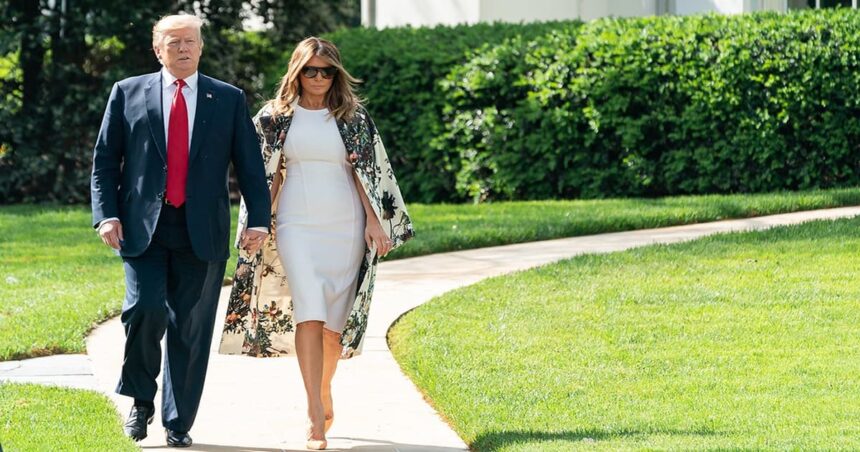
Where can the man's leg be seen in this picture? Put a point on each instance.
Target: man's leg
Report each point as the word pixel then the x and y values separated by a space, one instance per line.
pixel 144 316
pixel 192 300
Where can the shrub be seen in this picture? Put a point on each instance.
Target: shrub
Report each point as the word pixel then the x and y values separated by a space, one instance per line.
pixel 659 106
pixel 490 113
pixel 401 69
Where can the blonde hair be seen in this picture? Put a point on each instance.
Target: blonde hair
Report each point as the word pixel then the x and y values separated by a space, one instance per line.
pixel 341 99
pixel 176 22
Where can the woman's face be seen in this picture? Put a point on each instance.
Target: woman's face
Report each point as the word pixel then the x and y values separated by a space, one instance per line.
pixel 318 85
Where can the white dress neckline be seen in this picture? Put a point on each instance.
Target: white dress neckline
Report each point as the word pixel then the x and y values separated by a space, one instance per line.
pixel 321 110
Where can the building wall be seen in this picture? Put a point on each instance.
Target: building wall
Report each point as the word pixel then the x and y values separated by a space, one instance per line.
pixel 528 11
pixel 395 13
pixel 686 7
pixel 591 9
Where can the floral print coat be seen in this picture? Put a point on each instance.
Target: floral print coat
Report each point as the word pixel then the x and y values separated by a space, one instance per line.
pixel 259 319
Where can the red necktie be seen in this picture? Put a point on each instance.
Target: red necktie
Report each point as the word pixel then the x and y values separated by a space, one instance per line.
pixel 177 148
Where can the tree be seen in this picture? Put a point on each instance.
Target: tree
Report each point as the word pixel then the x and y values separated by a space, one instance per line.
pixel 59 58
pixel 293 20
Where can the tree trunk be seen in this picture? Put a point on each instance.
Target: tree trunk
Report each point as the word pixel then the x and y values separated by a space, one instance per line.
pixel 32 51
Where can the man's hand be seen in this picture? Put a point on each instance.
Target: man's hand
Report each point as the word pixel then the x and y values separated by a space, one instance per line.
pixel 252 240
pixel 111 233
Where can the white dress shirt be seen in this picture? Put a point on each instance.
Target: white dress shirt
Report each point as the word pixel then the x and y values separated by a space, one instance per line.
pixel 168 89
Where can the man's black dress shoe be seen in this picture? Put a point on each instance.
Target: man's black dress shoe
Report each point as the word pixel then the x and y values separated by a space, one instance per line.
pixel 138 418
pixel 178 439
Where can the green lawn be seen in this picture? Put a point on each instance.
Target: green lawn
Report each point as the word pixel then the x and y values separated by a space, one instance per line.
pixel 743 341
pixel 36 418
pixel 57 280
pixel 465 226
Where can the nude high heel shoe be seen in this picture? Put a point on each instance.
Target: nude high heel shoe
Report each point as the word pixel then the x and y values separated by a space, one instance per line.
pixel 315 444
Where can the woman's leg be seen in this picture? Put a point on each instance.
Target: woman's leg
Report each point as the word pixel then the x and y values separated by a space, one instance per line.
pixel 331 354
pixel 309 349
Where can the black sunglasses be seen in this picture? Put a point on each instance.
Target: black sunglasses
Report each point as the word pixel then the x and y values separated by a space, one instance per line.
pixel 312 71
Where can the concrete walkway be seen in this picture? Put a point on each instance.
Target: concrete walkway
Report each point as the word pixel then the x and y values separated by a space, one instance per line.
pixel 258 404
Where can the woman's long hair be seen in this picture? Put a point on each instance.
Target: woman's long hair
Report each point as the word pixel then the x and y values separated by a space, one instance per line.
pixel 341 99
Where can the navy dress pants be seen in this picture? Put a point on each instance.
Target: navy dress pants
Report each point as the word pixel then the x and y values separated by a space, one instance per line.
pixel 168 289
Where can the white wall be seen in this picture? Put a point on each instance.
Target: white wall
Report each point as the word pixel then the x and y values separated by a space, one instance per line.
pixel 768 5
pixel 396 13
pixel 685 7
pixel 527 11
pixel 618 8
pixel 539 10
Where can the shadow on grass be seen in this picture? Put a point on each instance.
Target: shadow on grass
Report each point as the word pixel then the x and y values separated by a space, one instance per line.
pixel 493 441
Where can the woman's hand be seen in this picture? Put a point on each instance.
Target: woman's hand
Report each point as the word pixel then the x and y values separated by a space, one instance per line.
pixel 375 235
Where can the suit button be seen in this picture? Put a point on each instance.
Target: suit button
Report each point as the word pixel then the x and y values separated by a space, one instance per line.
pixel 165 168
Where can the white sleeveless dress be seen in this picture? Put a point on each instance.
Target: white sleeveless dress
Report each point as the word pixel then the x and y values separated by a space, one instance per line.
pixel 320 221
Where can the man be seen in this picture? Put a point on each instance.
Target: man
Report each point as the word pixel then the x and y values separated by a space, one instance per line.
pixel 160 198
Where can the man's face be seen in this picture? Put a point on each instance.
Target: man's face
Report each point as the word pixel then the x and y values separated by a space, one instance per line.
pixel 179 51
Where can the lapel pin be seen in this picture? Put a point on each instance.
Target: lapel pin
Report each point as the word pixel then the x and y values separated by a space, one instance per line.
pixel 208 95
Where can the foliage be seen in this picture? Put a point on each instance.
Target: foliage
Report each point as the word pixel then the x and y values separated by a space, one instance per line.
pixel 616 107
pixel 495 128
pixel 660 106
pixel 67 60
pixel 67 55
pixel 294 20
pixel 401 69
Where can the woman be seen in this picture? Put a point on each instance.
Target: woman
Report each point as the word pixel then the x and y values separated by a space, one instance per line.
pixel 336 209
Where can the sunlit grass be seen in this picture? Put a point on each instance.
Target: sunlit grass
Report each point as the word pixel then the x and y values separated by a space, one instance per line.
pixel 41 418
pixel 733 342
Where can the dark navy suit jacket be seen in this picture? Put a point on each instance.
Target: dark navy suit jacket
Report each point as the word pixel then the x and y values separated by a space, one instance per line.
pixel 130 165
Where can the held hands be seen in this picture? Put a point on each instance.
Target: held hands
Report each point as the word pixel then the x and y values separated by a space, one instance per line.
pixel 111 233
pixel 252 240
pixel 374 235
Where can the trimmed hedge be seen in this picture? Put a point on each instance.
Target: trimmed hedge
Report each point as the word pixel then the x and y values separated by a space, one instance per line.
pixel 490 112
pixel 401 69
pixel 660 106
pixel 616 107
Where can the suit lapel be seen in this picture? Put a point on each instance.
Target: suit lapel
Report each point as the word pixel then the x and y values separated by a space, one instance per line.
pixel 206 101
pixel 152 92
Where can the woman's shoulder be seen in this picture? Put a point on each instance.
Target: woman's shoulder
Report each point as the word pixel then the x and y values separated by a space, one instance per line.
pixel 360 116
pixel 265 112
pixel 268 123
pixel 267 118
pixel 361 113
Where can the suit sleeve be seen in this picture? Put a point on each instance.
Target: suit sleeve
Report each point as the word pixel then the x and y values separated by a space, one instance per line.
pixel 107 159
pixel 250 171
